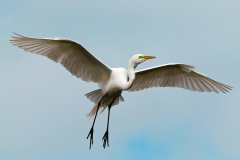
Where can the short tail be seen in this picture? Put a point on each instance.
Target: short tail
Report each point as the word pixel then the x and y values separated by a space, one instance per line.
pixel 95 97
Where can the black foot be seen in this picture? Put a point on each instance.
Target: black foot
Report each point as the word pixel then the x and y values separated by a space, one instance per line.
pixel 91 137
pixel 105 139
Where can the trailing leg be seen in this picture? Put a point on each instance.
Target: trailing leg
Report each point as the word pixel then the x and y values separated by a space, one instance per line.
pixel 105 137
pixel 91 130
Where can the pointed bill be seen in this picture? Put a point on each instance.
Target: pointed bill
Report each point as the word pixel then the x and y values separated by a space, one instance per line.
pixel 149 57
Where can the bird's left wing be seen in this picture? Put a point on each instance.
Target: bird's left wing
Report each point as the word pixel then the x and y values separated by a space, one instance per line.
pixel 176 75
pixel 73 56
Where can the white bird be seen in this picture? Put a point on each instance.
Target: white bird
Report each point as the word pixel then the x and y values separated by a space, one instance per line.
pixel 112 81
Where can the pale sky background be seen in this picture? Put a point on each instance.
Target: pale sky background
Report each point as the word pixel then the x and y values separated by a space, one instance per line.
pixel 43 107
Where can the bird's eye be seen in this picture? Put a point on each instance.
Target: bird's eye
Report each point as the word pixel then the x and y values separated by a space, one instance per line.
pixel 141 57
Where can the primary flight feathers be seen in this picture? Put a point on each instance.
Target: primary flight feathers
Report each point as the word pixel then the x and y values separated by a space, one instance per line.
pixel 176 75
pixel 72 55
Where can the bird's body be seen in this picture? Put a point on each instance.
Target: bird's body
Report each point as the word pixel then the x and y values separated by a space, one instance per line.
pixel 111 89
pixel 118 81
pixel 112 81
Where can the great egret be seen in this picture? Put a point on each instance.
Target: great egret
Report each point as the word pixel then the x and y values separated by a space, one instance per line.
pixel 112 81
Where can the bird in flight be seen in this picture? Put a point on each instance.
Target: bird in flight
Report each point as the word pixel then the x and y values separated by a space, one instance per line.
pixel 112 81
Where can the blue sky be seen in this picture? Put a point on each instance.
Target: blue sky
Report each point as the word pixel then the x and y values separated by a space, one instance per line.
pixel 43 107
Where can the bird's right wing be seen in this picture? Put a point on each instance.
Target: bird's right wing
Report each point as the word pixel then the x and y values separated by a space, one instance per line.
pixel 73 56
pixel 176 75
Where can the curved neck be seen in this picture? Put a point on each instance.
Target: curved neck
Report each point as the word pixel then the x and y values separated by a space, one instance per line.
pixel 131 74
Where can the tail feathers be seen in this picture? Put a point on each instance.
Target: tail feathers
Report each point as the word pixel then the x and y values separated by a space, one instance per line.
pixel 95 96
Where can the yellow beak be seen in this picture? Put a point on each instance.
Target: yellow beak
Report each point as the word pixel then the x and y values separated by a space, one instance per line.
pixel 149 57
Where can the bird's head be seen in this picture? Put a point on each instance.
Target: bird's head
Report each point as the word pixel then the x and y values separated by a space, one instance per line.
pixel 139 58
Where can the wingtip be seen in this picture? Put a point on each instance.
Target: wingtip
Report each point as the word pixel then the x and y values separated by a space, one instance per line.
pixel 17 35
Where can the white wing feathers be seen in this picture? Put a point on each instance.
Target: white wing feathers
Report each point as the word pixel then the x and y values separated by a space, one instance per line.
pixel 73 56
pixel 176 75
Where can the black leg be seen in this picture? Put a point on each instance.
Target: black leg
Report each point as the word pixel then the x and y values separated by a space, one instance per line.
pixel 105 137
pixel 91 130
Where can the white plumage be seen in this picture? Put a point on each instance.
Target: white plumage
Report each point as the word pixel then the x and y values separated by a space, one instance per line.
pixel 176 75
pixel 112 81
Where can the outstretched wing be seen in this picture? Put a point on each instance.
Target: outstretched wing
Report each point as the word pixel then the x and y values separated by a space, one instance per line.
pixel 72 55
pixel 176 75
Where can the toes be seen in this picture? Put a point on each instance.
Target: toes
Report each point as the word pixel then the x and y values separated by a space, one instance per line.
pixel 105 140
pixel 91 137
